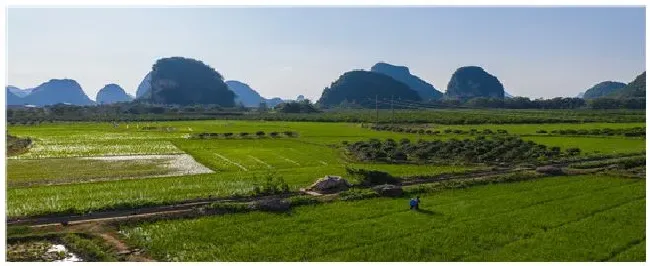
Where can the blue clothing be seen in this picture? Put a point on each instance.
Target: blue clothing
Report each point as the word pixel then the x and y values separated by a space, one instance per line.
pixel 413 202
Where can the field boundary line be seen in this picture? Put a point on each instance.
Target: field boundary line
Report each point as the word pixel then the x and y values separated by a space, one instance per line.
pixel 288 160
pixel 260 161
pixel 628 246
pixel 236 164
pixel 120 214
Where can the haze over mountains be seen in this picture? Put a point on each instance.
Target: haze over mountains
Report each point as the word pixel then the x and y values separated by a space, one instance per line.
pixel 603 89
pixel 52 92
pixel 635 88
pixel 354 87
pixel 248 97
pixel 19 92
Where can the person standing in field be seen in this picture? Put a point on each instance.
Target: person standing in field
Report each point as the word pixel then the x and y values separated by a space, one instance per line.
pixel 417 202
pixel 413 203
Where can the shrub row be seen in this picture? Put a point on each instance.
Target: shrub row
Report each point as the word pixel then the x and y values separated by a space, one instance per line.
pixel 357 194
pixel 620 163
pixel 423 131
pixel 370 177
pixel 496 149
pixel 259 134
pixel 628 132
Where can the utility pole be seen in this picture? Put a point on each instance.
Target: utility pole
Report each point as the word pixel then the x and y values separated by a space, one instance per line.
pixel 377 109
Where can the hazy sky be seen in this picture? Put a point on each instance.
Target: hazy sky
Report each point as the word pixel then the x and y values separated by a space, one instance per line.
pixel 535 52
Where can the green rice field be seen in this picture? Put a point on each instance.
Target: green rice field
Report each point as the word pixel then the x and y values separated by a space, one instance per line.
pixel 576 218
pixel 238 163
pixel 83 167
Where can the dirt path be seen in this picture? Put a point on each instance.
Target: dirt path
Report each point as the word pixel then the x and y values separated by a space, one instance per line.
pixel 100 216
pixel 123 249
pixel 180 209
pixel 106 232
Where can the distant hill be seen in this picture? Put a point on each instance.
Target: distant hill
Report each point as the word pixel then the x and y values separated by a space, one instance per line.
pixel 472 81
pixel 581 95
pixel 58 91
pixel 636 88
pixel 12 99
pixel 144 87
pixel 274 102
pixel 361 88
pixel 507 95
pixel 603 89
pixel 187 81
pixel 19 92
pixel 402 74
pixel 112 93
pixel 244 94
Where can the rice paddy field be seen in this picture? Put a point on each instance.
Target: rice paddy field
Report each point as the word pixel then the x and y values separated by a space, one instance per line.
pixel 237 163
pixel 556 219
pixel 86 167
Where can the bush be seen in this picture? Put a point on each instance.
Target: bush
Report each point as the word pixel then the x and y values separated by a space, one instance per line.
pixel 243 134
pixel 228 134
pixel 371 177
pixel 357 194
pixel 271 205
pixel 259 134
pixel 550 170
pixel 16 146
pixel 573 151
pixel 271 185
pixel 233 207
pixel 631 163
pixel 87 248
pixel 274 134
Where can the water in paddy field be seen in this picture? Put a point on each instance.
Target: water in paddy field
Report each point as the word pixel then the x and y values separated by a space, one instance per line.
pixel 69 256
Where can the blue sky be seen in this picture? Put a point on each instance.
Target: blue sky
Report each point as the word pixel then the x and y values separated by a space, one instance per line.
pixel 535 52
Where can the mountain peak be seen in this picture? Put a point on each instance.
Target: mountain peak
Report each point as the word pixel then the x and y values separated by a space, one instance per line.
pixel 57 91
pixel 603 89
pixel 402 74
pixel 473 81
pixel 244 94
pixel 112 93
